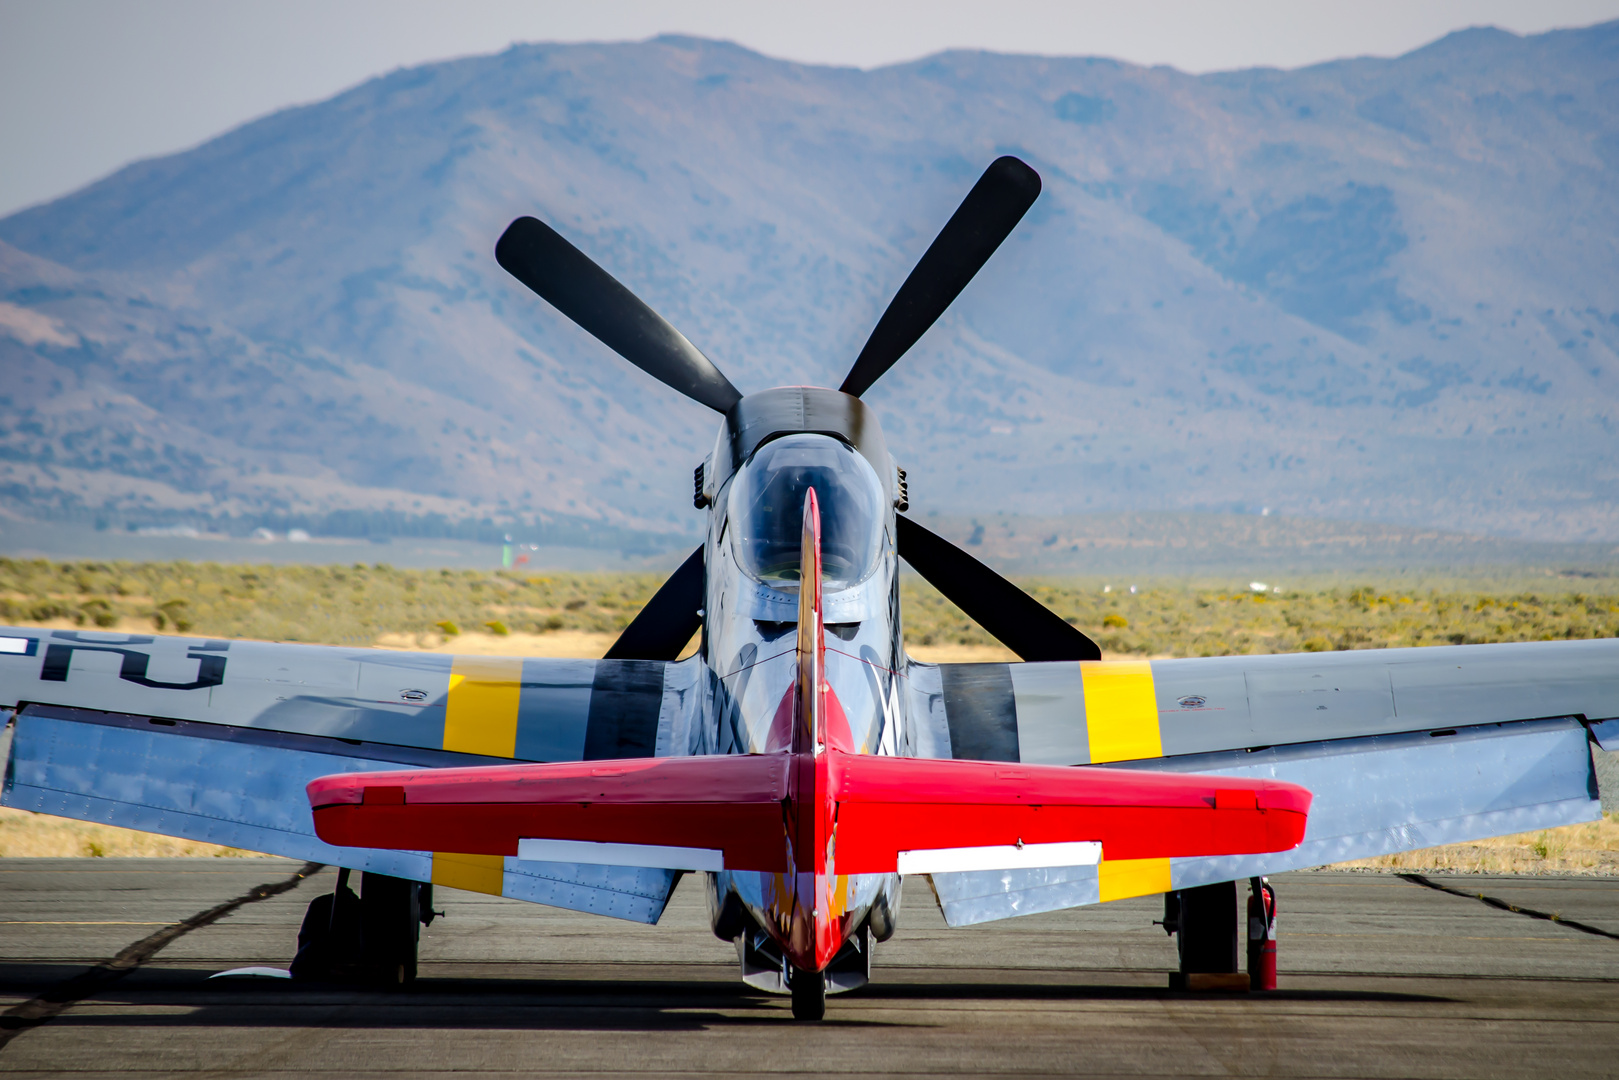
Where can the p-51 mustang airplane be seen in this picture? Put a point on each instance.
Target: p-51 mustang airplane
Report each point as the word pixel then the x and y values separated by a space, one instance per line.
pixel 800 760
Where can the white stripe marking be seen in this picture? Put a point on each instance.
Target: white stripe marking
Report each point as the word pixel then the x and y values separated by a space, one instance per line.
pixel 1000 857
pixel 17 645
pixel 594 854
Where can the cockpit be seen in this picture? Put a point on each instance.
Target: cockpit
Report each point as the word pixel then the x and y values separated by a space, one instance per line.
pixel 766 511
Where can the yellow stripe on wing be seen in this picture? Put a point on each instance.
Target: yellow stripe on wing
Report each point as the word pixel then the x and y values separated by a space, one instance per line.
pixel 481 714
pixel 1124 878
pixel 480 717
pixel 475 873
pixel 1121 720
pixel 1121 710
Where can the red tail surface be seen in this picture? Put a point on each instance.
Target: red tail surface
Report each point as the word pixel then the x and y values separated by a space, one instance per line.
pixel 742 807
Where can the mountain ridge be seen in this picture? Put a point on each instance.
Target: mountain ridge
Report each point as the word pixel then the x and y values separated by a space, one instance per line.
pixel 1365 289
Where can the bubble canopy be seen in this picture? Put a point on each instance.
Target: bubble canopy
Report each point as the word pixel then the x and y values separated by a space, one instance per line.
pixel 767 511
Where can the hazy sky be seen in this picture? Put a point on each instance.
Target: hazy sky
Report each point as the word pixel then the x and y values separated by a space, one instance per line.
pixel 89 85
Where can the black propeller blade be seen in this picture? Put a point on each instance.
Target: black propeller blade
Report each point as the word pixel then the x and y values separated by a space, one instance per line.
pixel 669 619
pixel 985 218
pixel 1018 620
pixel 533 253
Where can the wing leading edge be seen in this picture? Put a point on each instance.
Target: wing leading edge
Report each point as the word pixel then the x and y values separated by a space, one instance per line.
pixel 215 741
pixel 1402 748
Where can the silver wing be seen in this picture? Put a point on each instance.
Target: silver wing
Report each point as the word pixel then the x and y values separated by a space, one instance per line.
pixel 1403 748
pixel 215 740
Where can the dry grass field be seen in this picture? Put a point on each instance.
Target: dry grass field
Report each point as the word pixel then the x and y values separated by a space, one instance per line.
pixel 25 835
pixel 1574 849
pixel 369 604
pixel 579 615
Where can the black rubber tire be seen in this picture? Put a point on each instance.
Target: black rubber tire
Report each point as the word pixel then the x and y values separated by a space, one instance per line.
pixel 391 920
pixel 809 994
pixel 1208 928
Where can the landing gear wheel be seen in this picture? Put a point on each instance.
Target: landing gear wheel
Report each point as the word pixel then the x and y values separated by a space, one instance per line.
pixel 1208 929
pixel 370 937
pixel 390 911
pixel 809 994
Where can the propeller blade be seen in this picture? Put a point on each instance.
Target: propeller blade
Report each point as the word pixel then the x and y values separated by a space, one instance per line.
pixel 669 619
pixel 1018 620
pixel 535 254
pixel 985 218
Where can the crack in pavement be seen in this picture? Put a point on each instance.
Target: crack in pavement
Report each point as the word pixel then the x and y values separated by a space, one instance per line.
pixel 1418 879
pixel 46 1006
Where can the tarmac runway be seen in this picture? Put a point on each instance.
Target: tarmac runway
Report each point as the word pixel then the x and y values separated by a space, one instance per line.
pixel 1380 977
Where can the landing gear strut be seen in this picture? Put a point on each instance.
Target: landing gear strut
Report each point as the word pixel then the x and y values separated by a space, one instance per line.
pixel 370 938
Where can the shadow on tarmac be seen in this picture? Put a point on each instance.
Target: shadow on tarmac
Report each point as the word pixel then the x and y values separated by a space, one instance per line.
pixel 547 1004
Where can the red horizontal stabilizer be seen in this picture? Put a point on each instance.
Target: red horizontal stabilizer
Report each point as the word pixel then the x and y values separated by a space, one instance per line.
pixel 744 807
pixel 888 805
pixel 732 803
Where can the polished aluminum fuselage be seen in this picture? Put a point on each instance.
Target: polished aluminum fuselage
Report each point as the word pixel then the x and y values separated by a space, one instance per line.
pixel 750 645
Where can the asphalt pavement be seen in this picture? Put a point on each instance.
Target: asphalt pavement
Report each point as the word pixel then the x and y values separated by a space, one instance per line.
pixel 1380 976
